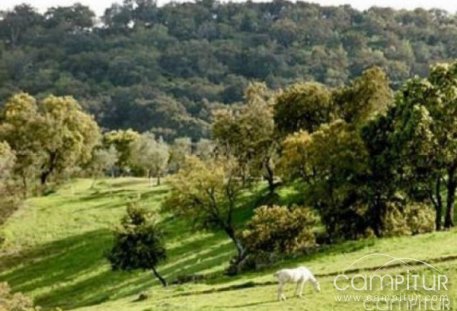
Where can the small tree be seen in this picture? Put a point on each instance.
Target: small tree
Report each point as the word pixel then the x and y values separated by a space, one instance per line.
pixel 180 148
pixel 247 134
pixel 138 243
pixel 103 161
pixel 122 140
pixel 207 192
pixel 150 154
pixel 204 149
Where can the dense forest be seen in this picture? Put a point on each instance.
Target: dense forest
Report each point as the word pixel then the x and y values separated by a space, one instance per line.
pixel 164 69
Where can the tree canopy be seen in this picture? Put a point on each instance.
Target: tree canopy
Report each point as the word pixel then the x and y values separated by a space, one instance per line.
pixel 164 69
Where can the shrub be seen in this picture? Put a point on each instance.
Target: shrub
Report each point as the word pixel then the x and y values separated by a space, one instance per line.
pixel 138 243
pixel 278 230
pixel 13 302
pixel 408 218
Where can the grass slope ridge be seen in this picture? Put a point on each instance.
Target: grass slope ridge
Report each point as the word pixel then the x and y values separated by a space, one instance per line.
pixel 55 245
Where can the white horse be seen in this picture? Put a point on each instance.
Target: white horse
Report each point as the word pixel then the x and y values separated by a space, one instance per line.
pixel 299 275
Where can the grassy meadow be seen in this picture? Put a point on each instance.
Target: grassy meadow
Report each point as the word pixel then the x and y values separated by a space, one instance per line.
pixel 55 245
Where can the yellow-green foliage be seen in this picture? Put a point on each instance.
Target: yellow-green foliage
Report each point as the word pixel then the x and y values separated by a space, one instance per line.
pixel 50 137
pixel 7 160
pixel 408 219
pixel 279 229
pixel 13 302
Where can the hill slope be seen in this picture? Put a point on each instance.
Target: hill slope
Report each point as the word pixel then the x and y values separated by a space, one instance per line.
pixel 55 244
pixel 165 68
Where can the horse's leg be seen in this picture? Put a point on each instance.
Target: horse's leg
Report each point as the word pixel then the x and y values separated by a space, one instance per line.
pixel 301 288
pixel 280 292
pixel 297 290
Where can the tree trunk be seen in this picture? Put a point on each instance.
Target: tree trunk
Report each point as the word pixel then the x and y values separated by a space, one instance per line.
pixel 451 186
pixel 158 180
pixel 150 178
pixel 270 177
pixel 377 214
pixel 241 253
pixel 44 177
pixel 438 205
pixel 52 164
pixel 161 279
pixel 25 186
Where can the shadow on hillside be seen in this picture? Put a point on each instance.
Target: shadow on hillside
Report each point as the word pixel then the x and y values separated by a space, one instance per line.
pixel 73 272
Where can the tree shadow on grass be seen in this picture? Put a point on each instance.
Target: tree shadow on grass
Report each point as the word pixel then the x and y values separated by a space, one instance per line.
pixel 73 272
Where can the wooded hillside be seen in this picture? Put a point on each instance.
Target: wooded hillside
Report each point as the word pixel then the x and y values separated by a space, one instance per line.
pixel 165 68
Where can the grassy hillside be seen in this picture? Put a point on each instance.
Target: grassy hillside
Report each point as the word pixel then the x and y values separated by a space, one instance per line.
pixel 55 245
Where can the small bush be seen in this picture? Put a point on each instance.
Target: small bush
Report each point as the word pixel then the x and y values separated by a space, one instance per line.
pixel 276 231
pixel 13 302
pixel 408 218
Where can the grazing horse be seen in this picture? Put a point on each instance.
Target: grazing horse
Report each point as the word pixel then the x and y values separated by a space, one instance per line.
pixel 299 275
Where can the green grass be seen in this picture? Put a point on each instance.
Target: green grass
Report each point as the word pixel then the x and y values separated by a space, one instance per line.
pixel 55 245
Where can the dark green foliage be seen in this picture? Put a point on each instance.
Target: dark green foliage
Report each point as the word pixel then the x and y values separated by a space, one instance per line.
pixel 138 243
pixel 303 106
pixel 165 68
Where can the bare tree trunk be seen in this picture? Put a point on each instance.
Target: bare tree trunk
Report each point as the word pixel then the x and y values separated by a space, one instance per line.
pixel 150 178
pixel 270 177
pixel 52 164
pixel 438 204
pixel 451 186
pixel 377 215
pixel 44 177
pixel 161 279
pixel 25 186
pixel 241 252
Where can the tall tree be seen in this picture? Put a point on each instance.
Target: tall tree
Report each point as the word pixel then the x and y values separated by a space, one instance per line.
pixel 20 124
pixel 331 161
pixel 67 135
pixel 425 128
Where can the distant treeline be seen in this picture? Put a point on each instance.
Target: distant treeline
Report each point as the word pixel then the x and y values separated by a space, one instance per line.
pixel 166 68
